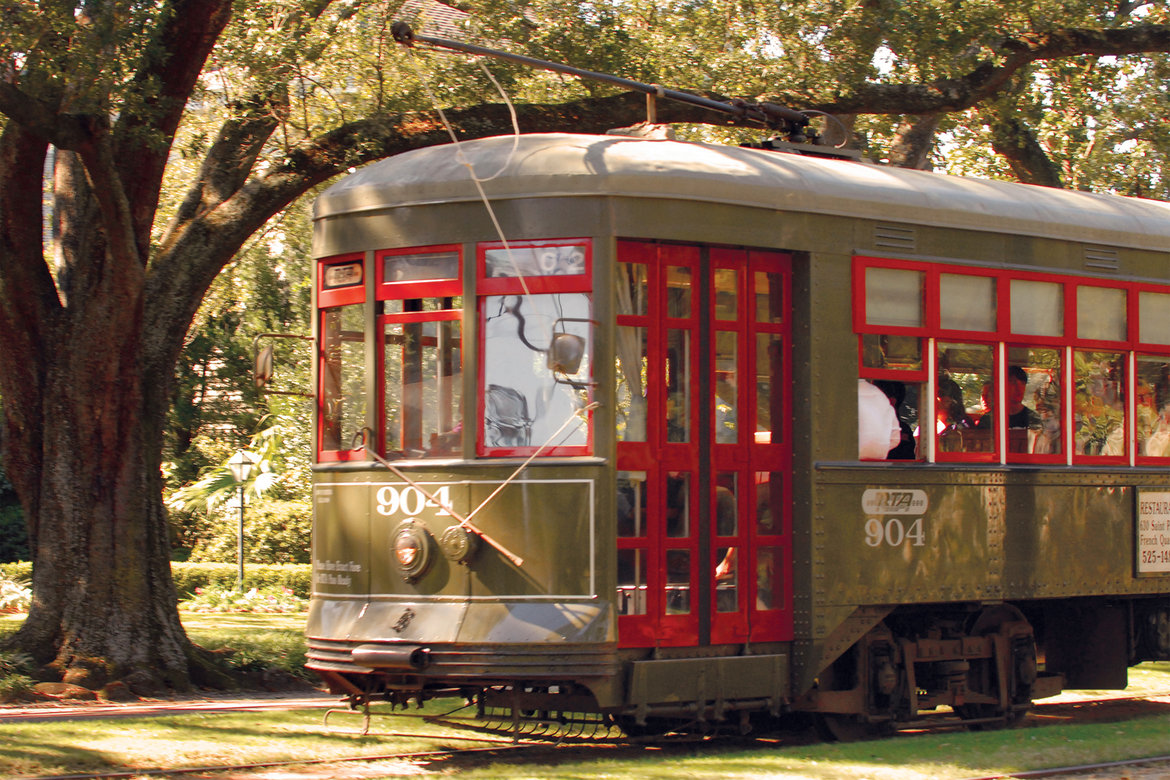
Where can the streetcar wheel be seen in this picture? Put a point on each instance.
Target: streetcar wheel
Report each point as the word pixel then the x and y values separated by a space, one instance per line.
pixel 1021 670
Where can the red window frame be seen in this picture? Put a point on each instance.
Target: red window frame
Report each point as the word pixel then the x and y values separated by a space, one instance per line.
pixel 1068 343
pixel 333 298
pixel 522 285
pixel 451 287
pixel 657 457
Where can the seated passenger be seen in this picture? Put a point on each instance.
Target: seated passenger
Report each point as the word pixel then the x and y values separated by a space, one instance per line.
pixel 878 430
pixel 907 446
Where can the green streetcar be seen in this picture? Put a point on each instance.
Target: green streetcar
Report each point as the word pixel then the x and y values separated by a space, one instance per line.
pixel 674 433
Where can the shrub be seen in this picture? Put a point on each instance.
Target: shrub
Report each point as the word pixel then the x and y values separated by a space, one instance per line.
pixel 206 576
pixel 15 687
pixel 13 534
pixel 269 599
pixel 274 532
pixel 15 683
pixel 297 577
pixel 15 595
pixel 19 570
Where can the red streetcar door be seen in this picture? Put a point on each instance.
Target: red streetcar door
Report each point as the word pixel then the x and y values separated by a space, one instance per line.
pixel 703 452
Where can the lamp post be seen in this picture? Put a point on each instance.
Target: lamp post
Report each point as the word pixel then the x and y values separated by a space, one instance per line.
pixel 241 466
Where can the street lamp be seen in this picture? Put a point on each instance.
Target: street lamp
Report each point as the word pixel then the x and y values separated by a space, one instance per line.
pixel 241 466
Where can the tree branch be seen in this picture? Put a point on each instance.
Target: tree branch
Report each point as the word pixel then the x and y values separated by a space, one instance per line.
pixel 1017 143
pixel 913 142
pixel 168 72
pixel 65 131
pixel 28 305
pixel 988 78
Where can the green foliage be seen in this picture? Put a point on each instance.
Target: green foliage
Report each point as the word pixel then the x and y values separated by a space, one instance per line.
pixel 15 595
pixel 16 570
pixel 189 577
pixel 205 513
pixel 13 532
pixel 274 532
pixel 251 645
pixel 16 682
pixel 268 599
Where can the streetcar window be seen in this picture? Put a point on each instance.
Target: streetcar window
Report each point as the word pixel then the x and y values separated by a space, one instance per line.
pixel 769 388
pixel 420 266
pixel 1037 308
pixel 1154 318
pixel 1101 313
pixel 1152 412
pixel 526 403
pixel 967 302
pixel 631 576
pixel 726 283
pixel 421 352
pixel 726 417
pixel 964 389
pixel 534 305
pixel 679 380
pixel 678 291
pixel 769 490
pixel 769 292
pixel 1049 383
pixel 342 379
pixel 632 362
pixel 769 585
pixel 632 288
pixel 898 353
pixel 893 297
pixel 1099 409
pixel 422 373
pixel 534 260
pixel 1033 393
pixel 678 582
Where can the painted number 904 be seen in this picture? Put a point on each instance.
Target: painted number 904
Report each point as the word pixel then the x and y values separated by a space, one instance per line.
pixel 892 531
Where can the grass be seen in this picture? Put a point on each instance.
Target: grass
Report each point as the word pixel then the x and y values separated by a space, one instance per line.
pixel 249 643
pixel 190 740
pixel 200 739
pixel 257 641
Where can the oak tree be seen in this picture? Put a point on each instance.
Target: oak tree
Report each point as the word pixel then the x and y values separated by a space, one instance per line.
pixel 142 143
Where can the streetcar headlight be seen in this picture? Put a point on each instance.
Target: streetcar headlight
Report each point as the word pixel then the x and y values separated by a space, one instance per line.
pixel 412 550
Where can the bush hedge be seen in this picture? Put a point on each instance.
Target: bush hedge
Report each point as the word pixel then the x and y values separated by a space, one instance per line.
pixel 21 570
pixel 297 577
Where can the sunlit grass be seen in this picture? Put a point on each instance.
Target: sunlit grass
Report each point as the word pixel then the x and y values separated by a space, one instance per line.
pixel 200 739
pixel 209 739
pixel 918 757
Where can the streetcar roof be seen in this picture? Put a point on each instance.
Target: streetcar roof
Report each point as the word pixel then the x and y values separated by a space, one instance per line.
pixel 566 165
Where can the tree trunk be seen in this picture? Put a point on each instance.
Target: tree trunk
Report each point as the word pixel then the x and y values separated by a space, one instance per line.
pixel 87 468
pixel 105 603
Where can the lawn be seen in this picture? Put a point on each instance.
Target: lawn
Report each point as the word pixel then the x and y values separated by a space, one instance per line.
pixel 195 740
pixel 203 739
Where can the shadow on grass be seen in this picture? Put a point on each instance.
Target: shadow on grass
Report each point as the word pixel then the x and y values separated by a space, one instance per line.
pixel 27 754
